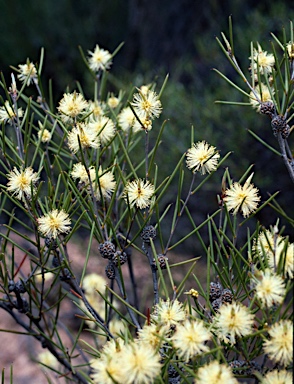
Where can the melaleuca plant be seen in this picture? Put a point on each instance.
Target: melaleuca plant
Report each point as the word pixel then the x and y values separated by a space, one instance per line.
pixel 87 170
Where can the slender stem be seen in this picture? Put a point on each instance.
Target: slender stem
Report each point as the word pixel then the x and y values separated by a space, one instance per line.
pixel 180 214
pixel 289 166
pixel 133 282
pixel 131 313
pixel 146 153
pixel 154 272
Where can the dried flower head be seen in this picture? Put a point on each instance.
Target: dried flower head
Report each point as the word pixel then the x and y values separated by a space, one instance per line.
pixel 82 136
pixel 140 364
pixel 22 182
pixel 147 104
pixel 100 59
pixel 263 61
pixel 278 377
pixel 8 114
pixel 262 95
pixel 270 288
pixel 139 193
pixel 54 223
pixel 244 199
pixel 71 106
pixel 280 345
pixel 169 312
pixel 215 373
pixel 28 73
pixel 233 320
pixel 202 157
pixel 190 337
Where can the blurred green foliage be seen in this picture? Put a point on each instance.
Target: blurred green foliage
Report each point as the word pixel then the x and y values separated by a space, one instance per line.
pixel 160 37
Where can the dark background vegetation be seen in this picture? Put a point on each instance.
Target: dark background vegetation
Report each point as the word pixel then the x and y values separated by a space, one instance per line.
pixel 167 36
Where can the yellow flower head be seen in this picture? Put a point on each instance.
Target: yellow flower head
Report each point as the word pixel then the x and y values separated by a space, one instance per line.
pixel 139 193
pixel 8 114
pixel 71 106
pixel 82 136
pixel 100 59
pixel 263 61
pixel 140 364
pixel 278 377
pixel 168 312
pixel 28 73
pixel 103 127
pixel 54 223
pixel 262 95
pixel 244 199
pixel 280 345
pixel 105 184
pixel 153 334
pixel 22 182
pixel 270 288
pixel 233 320
pixel 190 338
pixel 202 157
pixel 215 373
pixel 147 104
pixel 290 50
pixel 126 119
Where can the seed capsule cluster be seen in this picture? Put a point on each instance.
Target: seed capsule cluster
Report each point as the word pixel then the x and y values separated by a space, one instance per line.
pixel 219 295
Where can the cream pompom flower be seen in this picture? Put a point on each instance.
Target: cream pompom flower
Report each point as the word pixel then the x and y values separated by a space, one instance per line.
pixel 93 283
pixel 48 359
pixel 138 193
pixel 262 95
pixel 147 104
pixel 21 183
pixel 103 185
pixel 126 119
pixel 280 345
pixel 99 59
pixel 81 137
pixel 103 127
pixel 190 337
pixel 278 377
pixel 8 114
pixel 233 320
pixel 270 288
pixel 140 364
pixel 202 157
pixel 242 198
pixel 71 106
pixel 54 223
pixel 169 312
pixel 263 61
pixel 153 334
pixel 290 50
pixel 28 73
pixel 215 373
